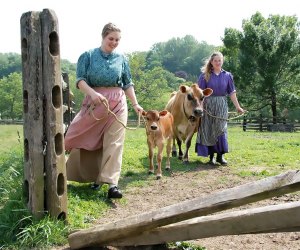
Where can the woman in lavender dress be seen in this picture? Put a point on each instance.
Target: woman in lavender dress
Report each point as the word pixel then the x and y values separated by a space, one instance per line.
pixel 212 133
pixel 95 137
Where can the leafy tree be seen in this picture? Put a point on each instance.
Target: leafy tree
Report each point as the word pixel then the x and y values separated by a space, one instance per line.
pixel 265 58
pixel 11 103
pixel 180 54
pixel 9 63
pixel 151 85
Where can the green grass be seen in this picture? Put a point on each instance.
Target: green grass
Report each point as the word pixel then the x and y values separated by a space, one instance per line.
pixel 258 154
pixel 10 136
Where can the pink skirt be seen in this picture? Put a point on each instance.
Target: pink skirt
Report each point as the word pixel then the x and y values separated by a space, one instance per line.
pixel 87 129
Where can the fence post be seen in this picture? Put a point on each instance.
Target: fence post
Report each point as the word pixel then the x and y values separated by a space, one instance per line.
pixel 45 182
pixel 260 123
pixel 244 123
pixel 34 137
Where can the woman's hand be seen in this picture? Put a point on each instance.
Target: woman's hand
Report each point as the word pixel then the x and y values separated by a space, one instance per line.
pixel 137 108
pixel 240 110
pixel 98 98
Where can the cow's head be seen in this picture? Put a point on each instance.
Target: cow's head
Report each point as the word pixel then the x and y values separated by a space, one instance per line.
pixel 152 118
pixel 193 102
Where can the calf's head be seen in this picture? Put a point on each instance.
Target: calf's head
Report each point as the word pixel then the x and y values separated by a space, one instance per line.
pixel 152 118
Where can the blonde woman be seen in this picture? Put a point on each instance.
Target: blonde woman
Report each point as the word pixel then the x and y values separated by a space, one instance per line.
pixel 212 134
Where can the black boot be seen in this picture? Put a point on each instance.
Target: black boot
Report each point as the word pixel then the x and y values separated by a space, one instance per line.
pixel 221 159
pixel 212 160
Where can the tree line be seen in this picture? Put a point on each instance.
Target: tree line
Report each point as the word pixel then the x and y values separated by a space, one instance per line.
pixel 264 58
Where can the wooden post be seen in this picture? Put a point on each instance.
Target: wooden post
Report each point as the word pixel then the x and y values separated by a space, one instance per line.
pixel 244 123
pixel 56 180
pixel 263 189
pixel 34 137
pixel 45 182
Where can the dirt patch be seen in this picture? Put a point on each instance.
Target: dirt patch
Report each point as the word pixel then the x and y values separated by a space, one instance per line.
pixel 182 186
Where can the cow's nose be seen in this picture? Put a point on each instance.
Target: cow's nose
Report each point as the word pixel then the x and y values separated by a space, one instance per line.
pixel 153 127
pixel 198 112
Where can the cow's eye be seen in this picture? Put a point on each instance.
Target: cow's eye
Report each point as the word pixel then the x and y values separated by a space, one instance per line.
pixel 202 98
pixel 190 97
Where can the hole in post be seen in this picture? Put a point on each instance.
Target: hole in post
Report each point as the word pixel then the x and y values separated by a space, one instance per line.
pixel 56 96
pixel 26 191
pixel 62 216
pixel 54 43
pixel 24 49
pixel 26 150
pixel 60 184
pixel 25 101
pixel 58 144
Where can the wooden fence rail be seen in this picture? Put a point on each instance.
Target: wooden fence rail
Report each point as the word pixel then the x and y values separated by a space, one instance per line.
pixel 111 233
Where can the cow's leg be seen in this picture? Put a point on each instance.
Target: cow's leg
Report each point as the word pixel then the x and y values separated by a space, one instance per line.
pixel 188 145
pixel 174 150
pixel 151 155
pixel 159 159
pixel 168 164
pixel 179 143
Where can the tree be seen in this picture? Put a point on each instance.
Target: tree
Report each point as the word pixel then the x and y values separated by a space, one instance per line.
pixel 9 63
pixel 180 54
pixel 11 103
pixel 265 58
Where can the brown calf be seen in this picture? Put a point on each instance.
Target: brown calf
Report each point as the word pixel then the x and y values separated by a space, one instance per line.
pixel 186 106
pixel 159 130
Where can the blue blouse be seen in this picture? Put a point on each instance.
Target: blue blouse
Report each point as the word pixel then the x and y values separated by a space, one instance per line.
pixel 221 84
pixel 99 69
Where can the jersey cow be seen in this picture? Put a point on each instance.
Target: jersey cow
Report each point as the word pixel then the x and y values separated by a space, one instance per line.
pixel 186 106
pixel 159 130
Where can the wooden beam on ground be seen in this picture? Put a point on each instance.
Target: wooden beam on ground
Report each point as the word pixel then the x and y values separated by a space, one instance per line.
pixel 275 218
pixel 259 190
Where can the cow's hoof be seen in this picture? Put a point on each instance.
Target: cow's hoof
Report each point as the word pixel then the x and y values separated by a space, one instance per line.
pixel 150 172
pixel 158 177
pixel 180 157
pixel 185 162
pixel 174 154
pixel 168 168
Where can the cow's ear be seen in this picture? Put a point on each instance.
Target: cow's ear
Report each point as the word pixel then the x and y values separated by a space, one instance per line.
pixel 207 91
pixel 183 88
pixel 144 113
pixel 163 113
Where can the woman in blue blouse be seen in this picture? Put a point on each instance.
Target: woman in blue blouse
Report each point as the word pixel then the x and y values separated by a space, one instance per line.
pixel 212 133
pixel 95 137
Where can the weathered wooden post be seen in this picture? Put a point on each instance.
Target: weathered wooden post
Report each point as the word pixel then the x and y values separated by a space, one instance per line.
pixel 45 172
pixel 33 112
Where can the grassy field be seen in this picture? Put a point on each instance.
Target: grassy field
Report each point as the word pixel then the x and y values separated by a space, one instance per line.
pixel 252 153
pixel 10 136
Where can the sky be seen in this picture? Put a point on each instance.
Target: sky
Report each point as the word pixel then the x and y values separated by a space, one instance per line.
pixel 143 22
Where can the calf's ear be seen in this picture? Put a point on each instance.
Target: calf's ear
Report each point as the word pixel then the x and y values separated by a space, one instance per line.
pixel 144 113
pixel 207 91
pixel 163 113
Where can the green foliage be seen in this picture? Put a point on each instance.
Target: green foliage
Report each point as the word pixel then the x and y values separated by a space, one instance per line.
pixel 11 104
pixel 265 60
pixel 9 63
pixel 180 54
pixel 185 246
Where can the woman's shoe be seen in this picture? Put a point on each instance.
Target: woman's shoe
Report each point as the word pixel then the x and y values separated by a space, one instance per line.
pixel 212 160
pixel 114 193
pixel 221 159
pixel 95 186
